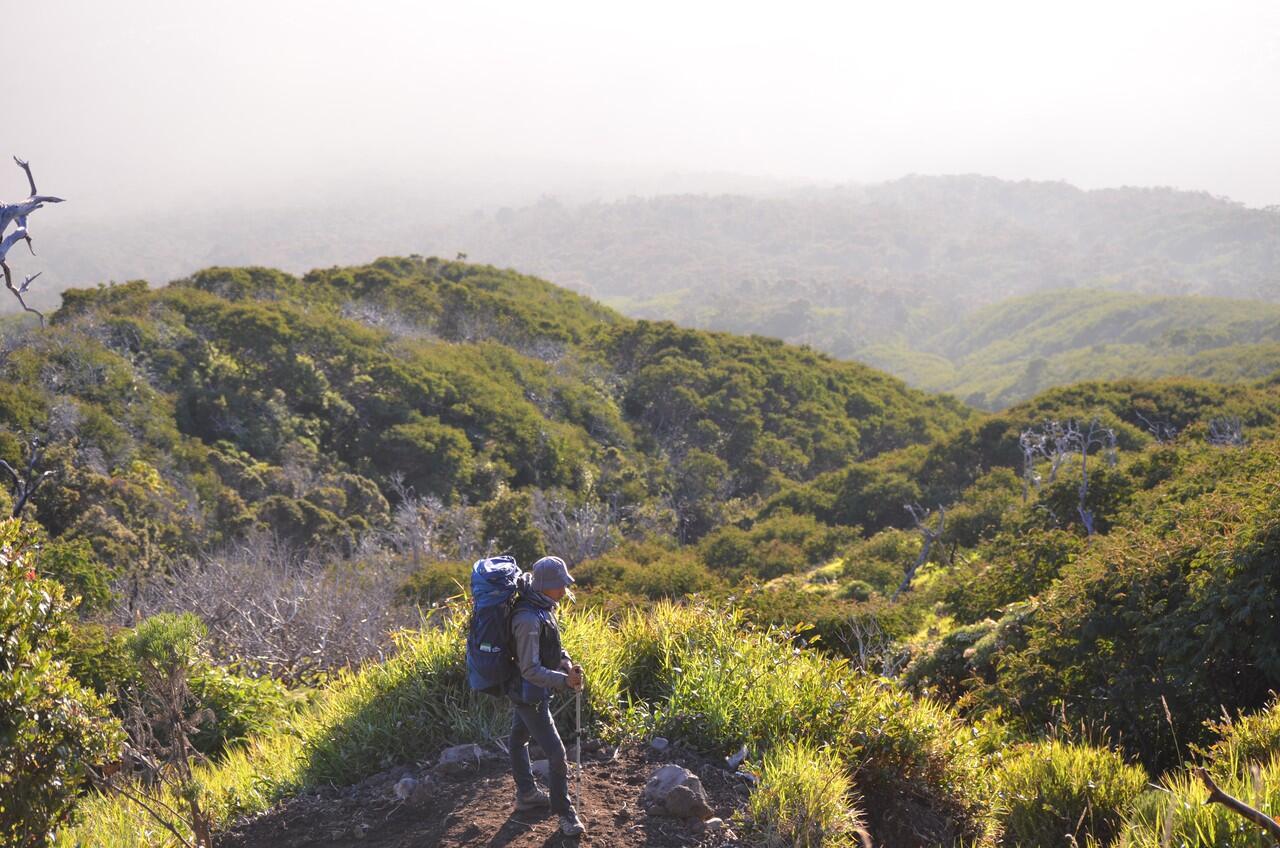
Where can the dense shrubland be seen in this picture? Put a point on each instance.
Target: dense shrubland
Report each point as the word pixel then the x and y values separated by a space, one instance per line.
pixel 259 478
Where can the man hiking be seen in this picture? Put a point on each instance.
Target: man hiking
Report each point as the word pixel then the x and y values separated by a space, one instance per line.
pixel 544 666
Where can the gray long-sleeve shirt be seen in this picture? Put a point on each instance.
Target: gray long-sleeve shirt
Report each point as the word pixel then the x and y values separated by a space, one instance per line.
pixel 526 627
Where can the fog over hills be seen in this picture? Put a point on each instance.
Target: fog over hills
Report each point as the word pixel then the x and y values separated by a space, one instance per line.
pixel 887 272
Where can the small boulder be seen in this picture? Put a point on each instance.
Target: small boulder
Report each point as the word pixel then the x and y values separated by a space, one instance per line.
pixel 459 758
pixel 659 743
pixel 405 787
pixel 678 791
pixel 666 778
pixel 542 769
pixel 685 803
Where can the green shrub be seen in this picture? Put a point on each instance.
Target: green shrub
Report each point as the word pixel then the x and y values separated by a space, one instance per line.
pixel 804 799
pixel 73 563
pixel 508 523
pixel 1012 567
pixel 237 706
pixel 980 513
pixel 52 728
pixel 1160 624
pixel 1054 794
pixel 166 641
pixel 677 576
pixel 436 581
pixel 880 560
pixel 168 651
pixel 1249 738
pixel 646 569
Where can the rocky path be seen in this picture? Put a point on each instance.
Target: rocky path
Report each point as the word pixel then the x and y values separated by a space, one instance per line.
pixel 469 803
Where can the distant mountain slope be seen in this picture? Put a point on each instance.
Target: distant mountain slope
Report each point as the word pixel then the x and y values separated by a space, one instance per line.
pixel 1007 353
pixel 898 274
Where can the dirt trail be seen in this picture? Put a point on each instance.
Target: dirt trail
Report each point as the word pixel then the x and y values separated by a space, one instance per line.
pixel 475 809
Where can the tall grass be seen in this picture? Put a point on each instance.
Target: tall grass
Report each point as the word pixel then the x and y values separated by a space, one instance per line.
pixel 386 713
pixel 694 672
pixel 1245 762
pixel 1057 793
pixel 805 799
pixel 1178 817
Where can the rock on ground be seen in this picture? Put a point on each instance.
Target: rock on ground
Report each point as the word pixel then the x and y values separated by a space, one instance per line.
pixel 678 791
pixel 460 758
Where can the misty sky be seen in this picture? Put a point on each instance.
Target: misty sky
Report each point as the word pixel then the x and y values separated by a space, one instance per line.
pixel 176 102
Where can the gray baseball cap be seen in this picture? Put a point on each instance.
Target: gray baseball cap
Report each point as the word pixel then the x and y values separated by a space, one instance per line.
pixel 550 572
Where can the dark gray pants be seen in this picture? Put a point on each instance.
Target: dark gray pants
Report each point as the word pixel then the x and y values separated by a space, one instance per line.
pixel 534 721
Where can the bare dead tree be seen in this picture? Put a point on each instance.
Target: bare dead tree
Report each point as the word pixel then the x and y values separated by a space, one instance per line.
pixel 575 532
pixel 276 611
pixel 1235 805
pixel 928 537
pixel 1161 429
pixel 1056 442
pixel 425 528
pixel 1226 432
pixel 868 646
pixel 26 482
pixel 1048 443
pixel 17 213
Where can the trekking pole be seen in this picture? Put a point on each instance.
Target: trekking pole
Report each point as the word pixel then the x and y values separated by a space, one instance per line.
pixel 578 746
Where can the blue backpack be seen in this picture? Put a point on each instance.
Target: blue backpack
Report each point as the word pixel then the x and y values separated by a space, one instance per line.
pixel 491 661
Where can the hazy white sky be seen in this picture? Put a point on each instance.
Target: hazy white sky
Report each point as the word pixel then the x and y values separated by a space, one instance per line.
pixel 176 101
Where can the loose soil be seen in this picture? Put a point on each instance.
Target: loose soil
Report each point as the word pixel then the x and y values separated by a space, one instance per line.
pixel 476 808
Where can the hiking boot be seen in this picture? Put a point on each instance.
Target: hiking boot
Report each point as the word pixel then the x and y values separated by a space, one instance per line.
pixel 570 824
pixel 532 800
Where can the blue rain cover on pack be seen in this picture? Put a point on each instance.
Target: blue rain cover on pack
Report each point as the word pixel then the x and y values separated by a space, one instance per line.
pixel 490 652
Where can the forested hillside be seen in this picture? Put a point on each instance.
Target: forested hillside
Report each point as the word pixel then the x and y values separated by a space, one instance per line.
pixel 917 624
pixel 247 397
pixel 916 275
pixel 1006 353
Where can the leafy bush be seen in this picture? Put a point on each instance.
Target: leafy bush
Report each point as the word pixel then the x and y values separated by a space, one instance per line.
pixel 508 523
pixel 52 728
pixel 172 671
pixel 1172 616
pixel 647 569
pixel 1055 793
pixel 781 543
pixel 1013 567
pixel 73 563
pixel 436 581
pixel 804 800
pixel 880 560
pixel 238 706
pixel 1249 738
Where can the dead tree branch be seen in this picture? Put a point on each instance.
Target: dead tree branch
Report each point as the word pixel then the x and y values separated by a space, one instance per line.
pixel 1056 442
pixel 1235 805
pixel 1226 432
pixel 26 483
pixel 1161 429
pixel 17 213
pixel 928 536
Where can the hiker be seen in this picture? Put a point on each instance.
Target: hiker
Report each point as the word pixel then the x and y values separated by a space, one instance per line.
pixel 544 665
